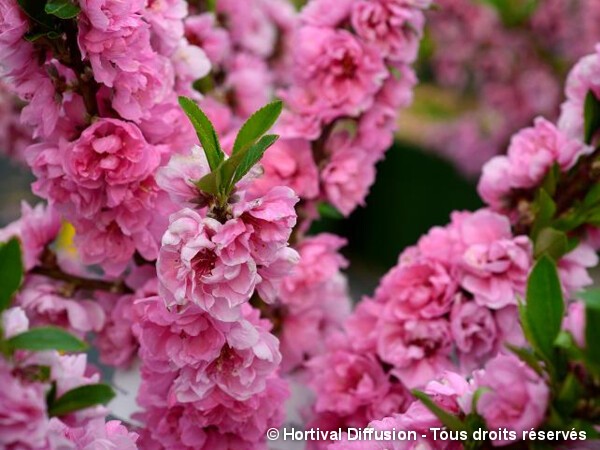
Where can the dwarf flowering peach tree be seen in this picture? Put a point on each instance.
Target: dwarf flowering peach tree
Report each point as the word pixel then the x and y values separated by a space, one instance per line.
pixel 183 150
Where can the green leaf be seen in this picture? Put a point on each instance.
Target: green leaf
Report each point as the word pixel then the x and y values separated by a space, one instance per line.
pixel 545 306
pixel 63 9
pixel 592 197
pixel 238 165
pixel 568 395
pixel 11 268
pixel 80 398
pixel 550 181
pixel 46 338
pixel 35 10
pixel 205 131
pixel 256 126
pixel 551 242
pixel 328 211
pixel 591 122
pixel 451 421
pixel 545 208
pixel 209 184
pixel 252 156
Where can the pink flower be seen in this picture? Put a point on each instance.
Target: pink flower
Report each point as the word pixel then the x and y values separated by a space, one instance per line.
pixel 98 434
pixel 110 52
pixel 111 15
pixel 516 397
pixel 319 264
pixel 37 228
pixel 418 349
pixel 322 13
pixel 115 342
pixel 419 289
pixel 289 163
pixel 271 218
pixel 202 31
pixel 166 20
pixel 42 299
pixel 23 419
pixel 135 93
pixel 534 150
pixel 394 28
pixel 345 381
pixel 250 28
pixel 496 273
pixel 493 187
pixel 179 176
pixel 347 179
pixel 249 81
pixel 574 322
pixel 14 321
pixel 573 268
pixel 473 330
pixel 344 72
pixel 110 155
pixel 582 79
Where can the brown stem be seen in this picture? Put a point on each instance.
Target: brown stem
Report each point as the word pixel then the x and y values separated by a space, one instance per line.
pixel 117 287
pixel 49 268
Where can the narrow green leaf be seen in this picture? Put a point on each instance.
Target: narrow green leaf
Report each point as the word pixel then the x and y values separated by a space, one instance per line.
pixel 545 208
pixel 11 268
pixel 209 184
pixel 568 395
pixel 451 421
pixel 591 122
pixel 80 398
pixel 256 126
pixel 63 9
pixel 551 242
pixel 328 211
pixel 252 156
pixel 545 306
pixel 46 338
pixel 592 197
pixel 205 131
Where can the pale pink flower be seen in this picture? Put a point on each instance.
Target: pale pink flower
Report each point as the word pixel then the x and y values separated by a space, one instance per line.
pixel 534 150
pixel 322 13
pixel 289 162
pixel 493 187
pixel 111 15
pixel 496 273
pixel 422 288
pixel 418 349
pixel 42 299
pixel 110 155
pixel 23 418
pixel 573 268
pixel 395 29
pixel 516 397
pixel 346 73
pixel 14 321
pixel 202 31
pixel 575 323
pixel 473 330
pixel 179 176
pixel 347 178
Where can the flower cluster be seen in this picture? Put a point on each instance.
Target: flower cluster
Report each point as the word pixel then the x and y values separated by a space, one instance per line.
pixel 103 103
pixel 206 383
pixel 351 74
pixel 29 378
pixel 506 65
pixel 513 397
